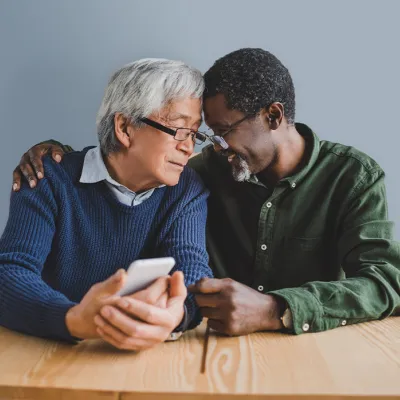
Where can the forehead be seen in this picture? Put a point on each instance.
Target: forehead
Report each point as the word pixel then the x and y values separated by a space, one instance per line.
pixel 188 109
pixel 216 112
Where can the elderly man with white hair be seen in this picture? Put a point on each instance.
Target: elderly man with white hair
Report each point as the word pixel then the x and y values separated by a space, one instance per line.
pixel 67 243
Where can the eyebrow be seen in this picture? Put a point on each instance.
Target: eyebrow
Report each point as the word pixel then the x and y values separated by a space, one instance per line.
pixel 176 116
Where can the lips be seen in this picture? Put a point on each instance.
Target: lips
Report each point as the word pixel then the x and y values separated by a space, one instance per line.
pixel 177 163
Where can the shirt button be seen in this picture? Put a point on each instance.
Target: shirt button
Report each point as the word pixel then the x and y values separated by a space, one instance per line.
pixel 263 247
pixel 306 327
pixel 293 185
pixel 269 204
pixel 344 322
pixel 260 288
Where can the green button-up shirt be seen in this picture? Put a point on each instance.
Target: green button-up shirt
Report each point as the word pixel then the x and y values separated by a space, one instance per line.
pixel 320 239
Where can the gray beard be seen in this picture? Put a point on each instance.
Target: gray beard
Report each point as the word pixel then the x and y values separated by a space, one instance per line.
pixel 240 169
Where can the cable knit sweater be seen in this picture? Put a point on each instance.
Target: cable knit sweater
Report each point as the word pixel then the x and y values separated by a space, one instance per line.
pixel 64 236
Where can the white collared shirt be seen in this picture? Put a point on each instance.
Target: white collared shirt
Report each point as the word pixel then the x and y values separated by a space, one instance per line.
pixel 94 170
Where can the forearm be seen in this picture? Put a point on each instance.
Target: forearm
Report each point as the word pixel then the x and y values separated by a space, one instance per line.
pixel 186 243
pixel 370 259
pixel 29 305
pixel 319 306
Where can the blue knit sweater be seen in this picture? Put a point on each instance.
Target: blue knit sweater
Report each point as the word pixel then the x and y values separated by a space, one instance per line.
pixel 64 236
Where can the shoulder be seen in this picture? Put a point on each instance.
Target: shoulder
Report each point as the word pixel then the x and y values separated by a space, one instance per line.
pixel 189 189
pixel 350 158
pixel 190 183
pixel 211 167
pixel 69 169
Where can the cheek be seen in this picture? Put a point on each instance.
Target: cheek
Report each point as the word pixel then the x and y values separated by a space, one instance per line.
pixel 157 162
pixel 164 171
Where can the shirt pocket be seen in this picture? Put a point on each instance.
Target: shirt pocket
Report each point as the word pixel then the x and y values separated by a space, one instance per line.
pixel 304 259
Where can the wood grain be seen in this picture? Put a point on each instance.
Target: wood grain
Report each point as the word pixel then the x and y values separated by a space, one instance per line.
pixel 359 360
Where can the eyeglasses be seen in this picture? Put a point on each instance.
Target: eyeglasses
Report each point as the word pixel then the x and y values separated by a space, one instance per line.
pixel 179 134
pixel 219 138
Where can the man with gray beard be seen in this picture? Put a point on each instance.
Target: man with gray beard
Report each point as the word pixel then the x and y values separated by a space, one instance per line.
pixel 297 227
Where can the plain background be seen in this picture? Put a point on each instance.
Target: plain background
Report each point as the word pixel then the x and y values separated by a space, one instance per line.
pixel 56 57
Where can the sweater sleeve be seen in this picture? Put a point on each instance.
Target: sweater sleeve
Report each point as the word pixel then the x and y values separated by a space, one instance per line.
pixel 186 242
pixel 27 303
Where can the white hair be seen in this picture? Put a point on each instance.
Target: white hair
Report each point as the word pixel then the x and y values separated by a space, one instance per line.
pixel 140 88
pixel 240 169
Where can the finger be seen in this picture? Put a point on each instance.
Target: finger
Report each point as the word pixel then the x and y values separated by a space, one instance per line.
pixel 152 294
pixel 35 157
pixel 208 300
pixel 131 327
pixel 177 285
pixel 162 301
pixel 125 343
pixel 145 312
pixel 114 283
pixel 213 313
pixel 57 153
pixel 28 173
pixel 207 285
pixel 17 174
pixel 178 293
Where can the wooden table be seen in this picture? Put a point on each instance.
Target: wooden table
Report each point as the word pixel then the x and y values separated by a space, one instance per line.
pixel 358 360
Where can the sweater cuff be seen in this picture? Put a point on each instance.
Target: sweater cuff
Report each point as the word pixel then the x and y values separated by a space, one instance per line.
pixel 182 327
pixel 54 325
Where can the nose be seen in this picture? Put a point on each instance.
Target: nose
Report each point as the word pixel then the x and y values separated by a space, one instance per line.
pixel 187 145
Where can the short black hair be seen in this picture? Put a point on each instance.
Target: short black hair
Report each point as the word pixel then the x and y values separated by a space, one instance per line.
pixel 251 79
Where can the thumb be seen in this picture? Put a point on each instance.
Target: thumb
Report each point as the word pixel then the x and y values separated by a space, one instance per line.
pixel 177 287
pixel 114 283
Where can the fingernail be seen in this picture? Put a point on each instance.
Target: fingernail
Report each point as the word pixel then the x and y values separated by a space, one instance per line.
pixel 40 175
pixel 58 158
pixel 32 184
pixel 15 187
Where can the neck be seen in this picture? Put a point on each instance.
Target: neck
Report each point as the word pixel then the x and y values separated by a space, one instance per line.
pixel 127 171
pixel 290 156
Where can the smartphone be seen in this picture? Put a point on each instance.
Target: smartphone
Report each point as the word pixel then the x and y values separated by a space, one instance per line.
pixel 142 273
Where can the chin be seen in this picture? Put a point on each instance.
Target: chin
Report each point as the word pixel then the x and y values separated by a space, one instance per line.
pixel 170 179
pixel 240 170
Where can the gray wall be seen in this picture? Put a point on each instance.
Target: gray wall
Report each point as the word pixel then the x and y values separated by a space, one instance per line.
pixel 56 57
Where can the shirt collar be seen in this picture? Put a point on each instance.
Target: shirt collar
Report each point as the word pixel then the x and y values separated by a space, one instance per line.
pixel 94 170
pixel 313 145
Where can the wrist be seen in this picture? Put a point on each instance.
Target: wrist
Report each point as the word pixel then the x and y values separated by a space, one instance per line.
pixel 274 309
pixel 184 322
pixel 181 318
pixel 73 323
